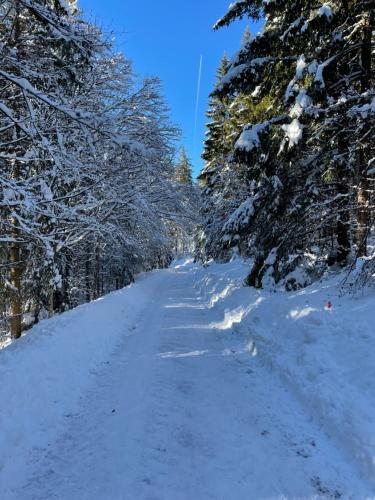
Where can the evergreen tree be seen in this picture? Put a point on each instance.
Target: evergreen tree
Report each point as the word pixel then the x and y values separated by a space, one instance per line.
pixel 246 37
pixel 228 180
pixel 304 150
pixel 212 178
pixel 216 144
pixel 190 198
pixel 183 169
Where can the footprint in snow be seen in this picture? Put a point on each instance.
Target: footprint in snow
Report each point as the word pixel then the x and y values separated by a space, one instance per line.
pixel 324 490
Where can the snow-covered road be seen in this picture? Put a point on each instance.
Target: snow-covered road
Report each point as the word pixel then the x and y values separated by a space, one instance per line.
pixel 180 410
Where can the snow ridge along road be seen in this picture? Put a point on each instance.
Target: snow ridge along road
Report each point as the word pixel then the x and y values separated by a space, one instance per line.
pixel 146 395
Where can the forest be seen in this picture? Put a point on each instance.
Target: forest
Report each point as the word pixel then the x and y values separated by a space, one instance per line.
pixel 289 174
pixel 178 320
pixel 88 191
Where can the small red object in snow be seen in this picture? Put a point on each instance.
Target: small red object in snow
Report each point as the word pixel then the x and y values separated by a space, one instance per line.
pixel 329 305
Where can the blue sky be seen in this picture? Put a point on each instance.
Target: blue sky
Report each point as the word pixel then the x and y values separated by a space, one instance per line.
pixel 166 38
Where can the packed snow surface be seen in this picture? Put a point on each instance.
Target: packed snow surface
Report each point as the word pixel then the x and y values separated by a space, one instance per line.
pixel 188 385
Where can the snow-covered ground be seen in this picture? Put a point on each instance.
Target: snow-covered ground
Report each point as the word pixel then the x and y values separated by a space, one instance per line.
pixel 186 386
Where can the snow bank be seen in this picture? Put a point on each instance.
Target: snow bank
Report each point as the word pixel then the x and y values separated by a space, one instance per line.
pixel 45 372
pixel 324 355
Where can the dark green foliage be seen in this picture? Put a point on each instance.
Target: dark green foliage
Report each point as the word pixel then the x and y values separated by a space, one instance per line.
pixel 183 169
pixel 300 122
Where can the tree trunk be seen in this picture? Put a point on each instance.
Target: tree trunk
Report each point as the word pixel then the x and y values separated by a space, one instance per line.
pixel 97 274
pixel 87 277
pixel 343 238
pixel 254 279
pixel 51 293
pixel 363 216
pixel 16 302
pixel 342 228
pixel 15 248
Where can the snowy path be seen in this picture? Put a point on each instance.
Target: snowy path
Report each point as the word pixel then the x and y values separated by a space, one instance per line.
pixel 179 411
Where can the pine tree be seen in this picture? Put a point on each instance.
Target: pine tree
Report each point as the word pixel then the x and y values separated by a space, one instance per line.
pixel 227 179
pixel 183 169
pixel 212 177
pixel 246 37
pixel 216 144
pixel 314 70
pixel 189 197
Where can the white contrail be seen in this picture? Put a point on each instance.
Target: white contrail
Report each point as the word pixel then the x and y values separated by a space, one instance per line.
pixel 197 102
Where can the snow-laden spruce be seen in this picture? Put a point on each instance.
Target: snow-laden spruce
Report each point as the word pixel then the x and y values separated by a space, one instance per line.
pixel 305 84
